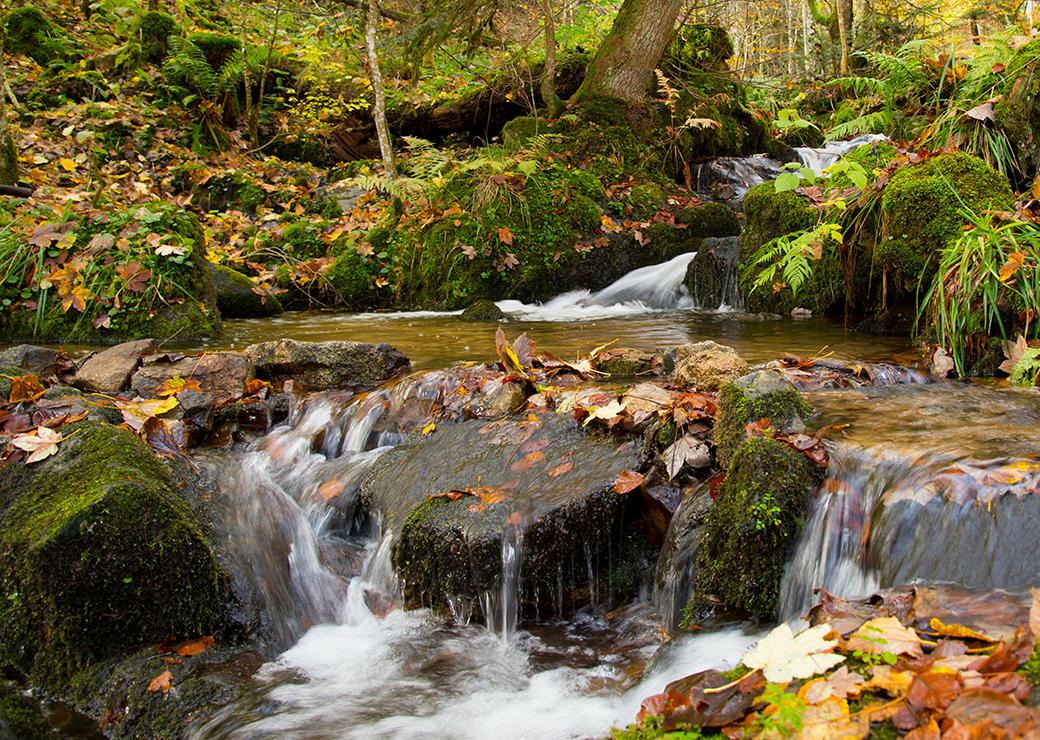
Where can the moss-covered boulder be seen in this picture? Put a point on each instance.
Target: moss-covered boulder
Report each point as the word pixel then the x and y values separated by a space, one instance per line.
pixel 761 395
pixel 715 220
pixel 98 554
pixel 517 133
pixel 236 297
pixel 923 206
pixel 152 31
pixel 352 276
pixel 712 277
pixel 767 216
pixel 753 526
pixel 230 190
pixel 483 310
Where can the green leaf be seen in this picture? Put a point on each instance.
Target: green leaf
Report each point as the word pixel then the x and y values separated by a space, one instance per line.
pixel 787 181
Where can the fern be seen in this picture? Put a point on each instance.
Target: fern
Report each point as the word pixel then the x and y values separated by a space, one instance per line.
pixel 789 260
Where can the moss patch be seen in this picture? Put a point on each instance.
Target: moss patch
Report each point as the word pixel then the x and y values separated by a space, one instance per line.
pixel 761 395
pixel 97 555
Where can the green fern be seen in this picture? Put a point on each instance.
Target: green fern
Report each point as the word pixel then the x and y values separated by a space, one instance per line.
pixel 789 260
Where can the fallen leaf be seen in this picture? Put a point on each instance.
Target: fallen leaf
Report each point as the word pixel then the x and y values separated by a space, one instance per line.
pixel 174 385
pixel 688 450
pixel 628 480
pixel 429 429
pixel 40 445
pixel 960 631
pixel 25 388
pixel 330 489
pixel 194 647
pixel 1034 613
pixel 561 469
pixel 782 656
pixel 830 720
pixel 885 635
pixel 841 685
pixel 1013 265
pixel 608 413
pixel 161 682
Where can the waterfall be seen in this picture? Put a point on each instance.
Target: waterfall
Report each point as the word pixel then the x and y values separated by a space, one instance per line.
pixel 819 159
pixel 656 287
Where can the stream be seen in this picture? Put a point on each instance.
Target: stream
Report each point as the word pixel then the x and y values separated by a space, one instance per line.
pixel 930 482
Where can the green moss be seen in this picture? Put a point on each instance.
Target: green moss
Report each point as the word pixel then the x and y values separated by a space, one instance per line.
pixel 28 31
pixel 922 205
pixel 753 526
pixel 768 215
pixel 21 717
pixel 216 47
pixel 153 30
pixel 709 220
pixel 518 132
pixel 351 275
pixel 96 554
pixel 699 46
pixel 761 395
pixel 646 199
pixel 236 298
pixel 482 310
pixel 1019 109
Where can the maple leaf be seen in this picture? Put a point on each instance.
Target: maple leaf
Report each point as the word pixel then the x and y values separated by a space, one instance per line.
pixel 77 299
pixel 505 236
pixel 40 444
pixel 167 250
pixel 25 388
pixel 608 413
pixel 195 647
pixel 628 480
pixel 783 656
pixel 101 242
pixel 688 450
pixel 1014 263
pixel 1013 351
pixel 841 684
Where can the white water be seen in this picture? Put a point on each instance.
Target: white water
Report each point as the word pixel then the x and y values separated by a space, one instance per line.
pixel 819 159
pixel 653 288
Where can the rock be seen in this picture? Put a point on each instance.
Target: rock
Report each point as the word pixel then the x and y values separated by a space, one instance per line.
pixel 677 562
pixel 483 310
pixel 98 553
pixel 1018 112
pixel 753 526
pixel 553 482
pixel 197 409
pixel 223 375
pixel 41 361
pixel 326 365
pixel 236 298
pixel 713 275
pixel 626 361
pixel 109 371
pixel 498 399
pixel 761 395
pixel 707 365
pixel 709 220
pixel 22 715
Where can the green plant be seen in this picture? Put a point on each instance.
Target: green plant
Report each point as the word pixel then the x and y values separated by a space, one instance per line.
pixel 782 715
pixel 205 75
pixel 28 31
pixel 986 278
pixel 788 260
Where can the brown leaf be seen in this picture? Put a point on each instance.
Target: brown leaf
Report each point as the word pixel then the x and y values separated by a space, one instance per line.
pixel 628 480
pixel 330 489
pixel 194 647
pixel 1013 265
pixel 934 690
pixel 885 635
pixel 25 388
pixel 561 469
pixel 161 682
pixel 1034 613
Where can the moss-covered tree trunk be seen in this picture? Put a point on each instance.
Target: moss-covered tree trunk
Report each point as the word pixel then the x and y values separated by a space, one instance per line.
pixel 624 65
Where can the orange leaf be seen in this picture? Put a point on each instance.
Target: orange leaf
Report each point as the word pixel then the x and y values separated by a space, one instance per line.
pixel 1015 261
pixel 628 480
pixel 562 469
pixel 194 647
pixel 330 489
pixel 161 682
pixel 505 236
pixel 25 388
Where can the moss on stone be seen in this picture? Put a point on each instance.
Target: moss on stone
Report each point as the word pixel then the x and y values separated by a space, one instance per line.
pixel 351 276
pixel 704 46
pixel 753 526
pixel 482 310
pixel 709 220
pixel 97 554
pixel 646 199
pixel 922 210
pixel 1019 109
pixel 760 395
pixel 153 30
pixel 29 31
pixel 236 298
pixel 21 717
pixel 517 133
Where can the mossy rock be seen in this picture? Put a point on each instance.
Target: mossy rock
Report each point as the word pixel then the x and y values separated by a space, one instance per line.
pixel 517 133
pixel 767 216
pixel 483 310
pixel 97 554
pixel 760 395
pixel 753 526
pixel 216 47
pixel 646 200
pixel 236 298
pixel 1018 112
pixel 352 276
pixel 922 205
pixel 28 31
pixel 709 220
pixel 153 30
pixel 805 136
pixel 232 190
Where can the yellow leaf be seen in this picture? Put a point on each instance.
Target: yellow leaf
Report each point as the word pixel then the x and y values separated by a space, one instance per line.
pixel 957 630
pixel 69 165
pixel 429 429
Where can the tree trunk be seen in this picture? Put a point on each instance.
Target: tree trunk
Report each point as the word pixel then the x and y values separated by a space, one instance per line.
pixel 8 148
pixel 376 75
pixel 843 35
pixel 624 64
pixel 548 86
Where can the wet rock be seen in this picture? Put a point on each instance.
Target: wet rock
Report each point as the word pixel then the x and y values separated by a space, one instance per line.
pixel 753 526
pixel 236 298
pixel 498 400
pixel 707 365
pixel 223 375
pixel 98 553
pixel 677 563
pixel 710 220
pixel 197 409
pixel 549 483
pixel 109 371
pixel 713 275
pixel 483 310
pixel 41 361
pixel 627 362
pixel 761 395
pixel 326 365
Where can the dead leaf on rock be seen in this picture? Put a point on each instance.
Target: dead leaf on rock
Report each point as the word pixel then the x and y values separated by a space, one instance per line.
pixel 783 656
pixel 885 635
pixel 628 480
pixel 162 682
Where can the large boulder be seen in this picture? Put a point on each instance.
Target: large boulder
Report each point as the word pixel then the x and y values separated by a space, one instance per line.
pixel 109 371
pixel 326 365
pixel 1018 112
pixel 236 298
pixel 707 365
pixel 223 375
pixel 546 486
pixel 712 276
pixel 98 553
